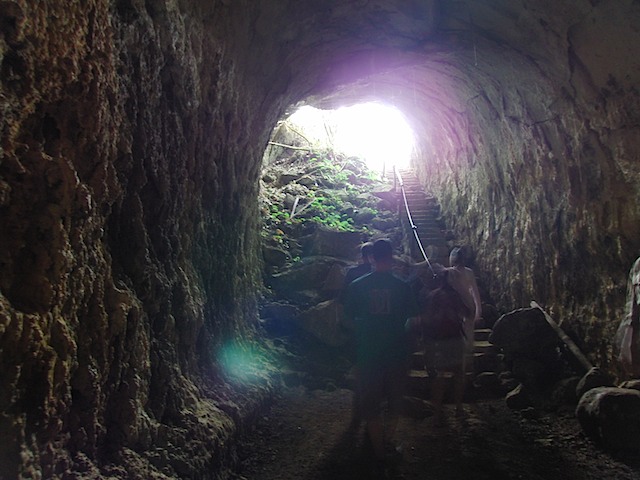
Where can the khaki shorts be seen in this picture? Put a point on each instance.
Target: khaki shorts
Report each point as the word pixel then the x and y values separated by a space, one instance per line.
pixel 445 355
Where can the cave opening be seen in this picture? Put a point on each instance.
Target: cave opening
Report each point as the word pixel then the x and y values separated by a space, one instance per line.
pixel 327 186
pixel 377 132
pixel 403 116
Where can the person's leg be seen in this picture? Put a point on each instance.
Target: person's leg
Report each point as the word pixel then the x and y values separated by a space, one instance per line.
pixel 459 381
pixel 429 357
pixel 438 380
pixel 355 410
pixel 459 372
pixel 395 380
pixel 437 397
pixel 371 394
pixel 469 344
pixel 375 430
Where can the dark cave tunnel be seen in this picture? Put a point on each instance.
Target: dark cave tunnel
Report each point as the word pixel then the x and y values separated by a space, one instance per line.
pixel 132 140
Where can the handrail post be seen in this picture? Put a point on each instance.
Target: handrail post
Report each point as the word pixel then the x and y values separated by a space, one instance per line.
pixel 395 178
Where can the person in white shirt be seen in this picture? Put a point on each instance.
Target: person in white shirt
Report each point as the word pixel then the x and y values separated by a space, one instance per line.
pixel 463 280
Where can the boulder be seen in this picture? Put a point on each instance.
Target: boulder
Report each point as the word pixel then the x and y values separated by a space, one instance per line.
pixel 523 331
pixel 592 379
pixel 286 177
pixel 565 391
pixel 274 256
pixel 384 223
pixel 334 281
pixel 307 274
pixel 336 244
pixel 611 417
pixel 527 369
pixel 388 195
pixel 279 318
pixel 324 321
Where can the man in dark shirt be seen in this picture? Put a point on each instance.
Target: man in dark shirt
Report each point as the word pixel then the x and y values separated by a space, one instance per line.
pixel 380 304
pixel 353 274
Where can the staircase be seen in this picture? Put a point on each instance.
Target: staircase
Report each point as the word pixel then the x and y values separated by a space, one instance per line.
pixel 482 371
pixel 425 213
pixel 484 365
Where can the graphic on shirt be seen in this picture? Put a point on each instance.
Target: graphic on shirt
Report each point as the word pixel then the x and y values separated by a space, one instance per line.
pixel 380 302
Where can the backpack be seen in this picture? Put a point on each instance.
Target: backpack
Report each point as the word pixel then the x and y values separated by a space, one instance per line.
pixel 444 314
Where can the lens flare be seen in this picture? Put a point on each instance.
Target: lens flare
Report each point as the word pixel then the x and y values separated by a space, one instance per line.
pixel 241 362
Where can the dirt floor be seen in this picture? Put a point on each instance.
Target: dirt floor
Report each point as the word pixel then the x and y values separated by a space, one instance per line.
pixel 306 434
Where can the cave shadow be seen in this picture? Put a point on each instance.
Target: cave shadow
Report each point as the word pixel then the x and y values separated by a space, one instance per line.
pixel 630 458
pixel 352 457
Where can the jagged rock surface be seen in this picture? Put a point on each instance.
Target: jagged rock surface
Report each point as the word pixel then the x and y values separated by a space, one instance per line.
pixel 132 135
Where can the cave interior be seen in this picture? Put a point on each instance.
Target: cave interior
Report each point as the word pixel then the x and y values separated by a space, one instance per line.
pixel 133 136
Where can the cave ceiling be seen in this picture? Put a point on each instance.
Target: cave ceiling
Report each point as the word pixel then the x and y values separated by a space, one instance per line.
pixel 430 56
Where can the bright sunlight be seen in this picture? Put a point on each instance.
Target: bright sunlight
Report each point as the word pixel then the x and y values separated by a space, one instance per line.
pixel 377 133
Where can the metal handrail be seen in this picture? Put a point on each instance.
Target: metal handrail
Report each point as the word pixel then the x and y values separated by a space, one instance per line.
pixel 413 226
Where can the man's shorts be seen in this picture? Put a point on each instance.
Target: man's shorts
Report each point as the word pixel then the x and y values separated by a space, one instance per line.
pixel 378 386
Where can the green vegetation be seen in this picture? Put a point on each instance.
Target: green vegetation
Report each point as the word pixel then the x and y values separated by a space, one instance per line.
pixel 325 212
pixel 330 190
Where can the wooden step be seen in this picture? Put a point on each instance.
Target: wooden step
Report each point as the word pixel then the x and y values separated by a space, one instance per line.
pixel 483 346
pixel 486 362
pixel 417 360
pixel 482 334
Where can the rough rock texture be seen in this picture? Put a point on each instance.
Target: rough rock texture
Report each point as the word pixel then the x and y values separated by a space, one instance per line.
pixel 529 140
pixel 129 242
pixel 610 416
pixel 131 140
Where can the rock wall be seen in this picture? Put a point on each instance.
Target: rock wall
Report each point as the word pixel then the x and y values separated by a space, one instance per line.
pixel 131 139
pixel 130 151
pixel 531 147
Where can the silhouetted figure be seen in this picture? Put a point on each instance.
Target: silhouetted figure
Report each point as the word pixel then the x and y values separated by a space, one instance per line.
pixel 443 333
pixel 463 280
pixel 627 341
pixel 380 304
pixel 364 268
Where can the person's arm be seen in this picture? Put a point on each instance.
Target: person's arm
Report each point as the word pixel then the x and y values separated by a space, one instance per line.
pixel 632 310
pixel 626 337
pixel 475 294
